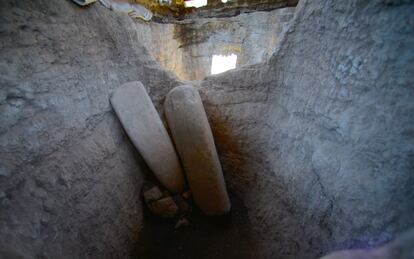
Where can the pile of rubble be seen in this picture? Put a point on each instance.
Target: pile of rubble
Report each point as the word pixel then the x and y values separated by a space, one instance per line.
pixel 162 203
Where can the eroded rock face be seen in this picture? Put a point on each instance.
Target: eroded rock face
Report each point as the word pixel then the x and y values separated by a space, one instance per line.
pixel 317 142
pixel 173 10
pixel 216 8
pixel 187 47
pixel 69 176
pixel 320 133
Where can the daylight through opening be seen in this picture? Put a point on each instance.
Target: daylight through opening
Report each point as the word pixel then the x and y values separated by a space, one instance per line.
pixel 222 63
pixel 195 3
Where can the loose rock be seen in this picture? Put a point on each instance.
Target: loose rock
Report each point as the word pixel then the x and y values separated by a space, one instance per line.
pixel 152 194
pixel 164 207
pixel 182 222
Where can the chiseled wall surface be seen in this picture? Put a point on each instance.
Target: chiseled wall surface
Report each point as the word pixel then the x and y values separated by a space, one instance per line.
pixel 216 8
pixel 187 47
pixel 319 141
pixel 69 176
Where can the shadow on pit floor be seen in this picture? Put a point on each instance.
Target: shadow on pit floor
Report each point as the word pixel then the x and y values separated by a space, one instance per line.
pixel 206 237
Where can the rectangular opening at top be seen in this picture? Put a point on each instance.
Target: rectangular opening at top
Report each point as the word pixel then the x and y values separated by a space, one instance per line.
pixel 222 63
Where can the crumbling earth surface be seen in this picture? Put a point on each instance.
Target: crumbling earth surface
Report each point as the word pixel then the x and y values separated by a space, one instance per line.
pixel 316 143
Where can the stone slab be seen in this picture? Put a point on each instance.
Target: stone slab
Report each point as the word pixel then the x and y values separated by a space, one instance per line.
pixel 144 127
pixel 192 135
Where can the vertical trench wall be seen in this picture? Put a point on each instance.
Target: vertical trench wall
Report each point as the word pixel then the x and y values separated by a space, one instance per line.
pixel 187 47
pixel 317 141
pixel 69 176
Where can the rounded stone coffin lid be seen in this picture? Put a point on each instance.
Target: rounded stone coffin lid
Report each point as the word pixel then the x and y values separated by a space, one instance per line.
pixel 144 127
pixel 195 145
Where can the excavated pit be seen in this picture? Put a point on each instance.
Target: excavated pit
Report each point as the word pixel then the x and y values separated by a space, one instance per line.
pixel 314 128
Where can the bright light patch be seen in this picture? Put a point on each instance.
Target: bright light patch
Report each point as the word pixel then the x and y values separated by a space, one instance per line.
pixel 224 1
pixel 223 63
pixel 195 3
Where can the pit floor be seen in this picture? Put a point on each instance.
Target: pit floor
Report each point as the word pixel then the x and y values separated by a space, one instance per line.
pixel 205 237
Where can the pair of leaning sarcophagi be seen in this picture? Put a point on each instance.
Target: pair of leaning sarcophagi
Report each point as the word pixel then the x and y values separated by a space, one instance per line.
pixel 192 136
